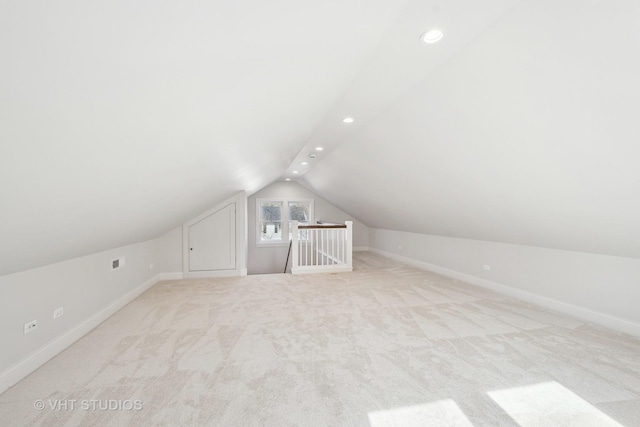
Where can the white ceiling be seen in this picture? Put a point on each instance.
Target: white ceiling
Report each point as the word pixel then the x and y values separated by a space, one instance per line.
pixel 120 120
pixel 529 135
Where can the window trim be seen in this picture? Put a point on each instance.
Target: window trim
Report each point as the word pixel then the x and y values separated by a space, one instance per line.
pixel 285 219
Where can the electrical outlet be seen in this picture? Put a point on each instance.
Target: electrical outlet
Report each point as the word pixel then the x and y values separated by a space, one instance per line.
pixel 58 312
pixel 30 326
pixel 486 267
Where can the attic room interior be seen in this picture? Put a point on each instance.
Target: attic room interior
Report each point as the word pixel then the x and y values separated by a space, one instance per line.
pixel 359 213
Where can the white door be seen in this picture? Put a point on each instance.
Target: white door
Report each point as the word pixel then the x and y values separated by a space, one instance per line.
pixel 212 241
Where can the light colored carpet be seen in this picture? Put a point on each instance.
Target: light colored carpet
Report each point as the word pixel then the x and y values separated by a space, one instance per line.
pixel 385 345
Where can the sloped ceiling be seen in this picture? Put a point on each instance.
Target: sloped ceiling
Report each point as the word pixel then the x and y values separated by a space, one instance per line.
pixel 120 120
pixel 529 135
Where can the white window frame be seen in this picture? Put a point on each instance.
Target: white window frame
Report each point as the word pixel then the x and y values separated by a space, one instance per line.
pixel 285 219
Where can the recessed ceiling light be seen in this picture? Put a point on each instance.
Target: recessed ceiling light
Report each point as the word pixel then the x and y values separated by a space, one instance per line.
pixel 287 179
pixel 432 36
pixel 295 171
pixel 304 163
pixel 319 148
pixel 347 120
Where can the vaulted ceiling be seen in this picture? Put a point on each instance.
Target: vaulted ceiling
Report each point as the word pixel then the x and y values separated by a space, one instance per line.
pixel 120 120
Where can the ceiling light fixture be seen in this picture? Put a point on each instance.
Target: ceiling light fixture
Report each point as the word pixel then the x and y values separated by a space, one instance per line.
pixel 319 148
pixel 295 171
pixel 432 36
pixel 347 120
pixel 304 163
pixel 287 179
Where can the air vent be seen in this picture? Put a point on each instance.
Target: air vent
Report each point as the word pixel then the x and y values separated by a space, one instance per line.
pixel 117 263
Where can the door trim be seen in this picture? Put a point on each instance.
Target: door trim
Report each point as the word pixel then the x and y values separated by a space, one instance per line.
pixel 240 200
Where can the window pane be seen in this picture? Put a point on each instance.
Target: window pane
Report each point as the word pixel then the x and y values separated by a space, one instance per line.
pixel 299 211
pixel 270 221
pixel 270 231
pixel 271 211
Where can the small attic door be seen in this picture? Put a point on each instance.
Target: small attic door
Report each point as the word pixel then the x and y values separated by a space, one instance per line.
pixel 212 241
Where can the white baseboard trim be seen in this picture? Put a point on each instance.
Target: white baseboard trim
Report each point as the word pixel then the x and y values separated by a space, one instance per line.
pixel 214 273
pixel 171 276
pixel 20 370
pixel 360 248
pixel 603 319
pixel 319 269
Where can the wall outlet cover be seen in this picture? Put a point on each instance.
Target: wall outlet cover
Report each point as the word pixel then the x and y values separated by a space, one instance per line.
pixel 30 326
pixel 58 312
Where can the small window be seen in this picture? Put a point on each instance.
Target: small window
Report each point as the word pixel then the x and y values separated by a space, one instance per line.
pixel 271 221
pixel 274 218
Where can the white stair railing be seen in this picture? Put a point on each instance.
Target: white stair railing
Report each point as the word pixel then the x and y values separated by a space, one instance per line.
pixel 321 248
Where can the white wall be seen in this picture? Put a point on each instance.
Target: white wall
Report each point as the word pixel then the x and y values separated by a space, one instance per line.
pixel 87 289
pixel 170 251
pixel 600 288
pixel 272 259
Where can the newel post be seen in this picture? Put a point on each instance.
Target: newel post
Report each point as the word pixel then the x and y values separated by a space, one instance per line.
pixel 349 225
pixel 294 246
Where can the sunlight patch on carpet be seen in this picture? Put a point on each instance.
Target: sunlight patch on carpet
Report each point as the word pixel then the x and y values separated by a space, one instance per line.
pixel 549 404
pixel 439 413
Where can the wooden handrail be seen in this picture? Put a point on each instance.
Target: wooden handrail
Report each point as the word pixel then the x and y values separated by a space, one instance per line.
pixel 307 227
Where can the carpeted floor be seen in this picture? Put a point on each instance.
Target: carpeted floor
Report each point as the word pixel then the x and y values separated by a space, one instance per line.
pixel 385 345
